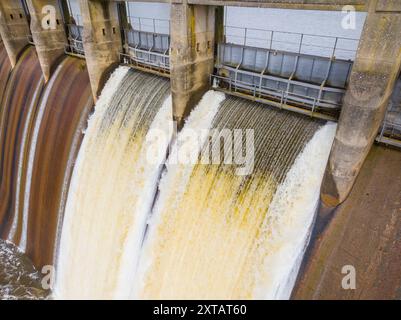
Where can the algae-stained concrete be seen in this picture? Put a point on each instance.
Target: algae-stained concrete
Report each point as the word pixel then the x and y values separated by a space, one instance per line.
pixel 101 40
pixel 191 55
pixel 365 232
pixel 14 28
pixel 48 33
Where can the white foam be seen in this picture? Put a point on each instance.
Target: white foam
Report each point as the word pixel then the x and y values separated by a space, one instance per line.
pixel 176 176
pixel 291 214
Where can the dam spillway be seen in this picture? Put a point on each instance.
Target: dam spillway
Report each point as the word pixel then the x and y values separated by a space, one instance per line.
pixel 36 165
pixel 17 116
pixel 148 211
pixel 113 185
pixel 215 234
pixel 112 188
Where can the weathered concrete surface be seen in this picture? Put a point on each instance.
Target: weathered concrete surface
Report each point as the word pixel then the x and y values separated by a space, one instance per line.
pixel 101 40
pixel 359 5
pixel 191 55
pixel 372 79
pixel 14 28
pixel 365 232
pixel 48 33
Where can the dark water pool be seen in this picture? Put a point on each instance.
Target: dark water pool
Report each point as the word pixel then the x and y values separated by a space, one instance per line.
pixel 18 277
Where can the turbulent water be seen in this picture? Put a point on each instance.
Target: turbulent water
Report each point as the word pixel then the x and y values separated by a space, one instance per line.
pixel 216 234
pixel 18 277
pixel 216 230
pixel 136 218
pixel 112 189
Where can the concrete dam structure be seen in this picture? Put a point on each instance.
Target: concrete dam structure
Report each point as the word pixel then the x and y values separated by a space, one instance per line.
pixel 185 158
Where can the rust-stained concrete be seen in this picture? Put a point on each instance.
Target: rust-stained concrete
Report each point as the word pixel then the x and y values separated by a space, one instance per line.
pixel 365 231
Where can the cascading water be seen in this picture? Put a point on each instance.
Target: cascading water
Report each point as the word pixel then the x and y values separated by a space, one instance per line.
pixel 55 139
pixel 18 277
pixel 112 188
pixel 215 234
pixel 40 132
pixel 18 111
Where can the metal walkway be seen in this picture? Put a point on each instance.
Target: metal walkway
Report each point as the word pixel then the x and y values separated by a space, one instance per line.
pixel 313 83
pixel 74 37
pixel 146 45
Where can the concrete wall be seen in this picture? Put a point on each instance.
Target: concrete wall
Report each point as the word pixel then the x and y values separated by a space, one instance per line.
pixel 48 33
pixel 101 40
pixel 359 5
pixel 14 28
pixel 371 84
pixel 191 55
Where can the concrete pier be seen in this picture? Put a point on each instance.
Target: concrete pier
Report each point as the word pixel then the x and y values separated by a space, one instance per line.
pixel 191 55
pixel 372 80
pixel 101 40
pixel 14 28
pixel 48 33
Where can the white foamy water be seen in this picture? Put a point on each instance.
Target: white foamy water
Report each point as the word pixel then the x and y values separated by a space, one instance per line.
pixel 212 234
pixel 293 210
pixel 211 238
pixel 112 189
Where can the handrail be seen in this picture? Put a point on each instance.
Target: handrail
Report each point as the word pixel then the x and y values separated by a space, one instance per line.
pixel 139 24
pixel 281 104
pixel 300 45
pixel 283 93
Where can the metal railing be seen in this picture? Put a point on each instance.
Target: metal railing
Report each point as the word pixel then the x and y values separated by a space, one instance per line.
pixel 283 99
pixel 75 44
pixel 326 46
pixel 390 132
pixel 77 19
pixel 147 60
pixel 147 45
pixel 147 40
pixel 329 72
pixel 160 26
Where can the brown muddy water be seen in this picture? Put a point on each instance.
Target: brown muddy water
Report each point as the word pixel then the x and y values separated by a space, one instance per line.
pixel 18 277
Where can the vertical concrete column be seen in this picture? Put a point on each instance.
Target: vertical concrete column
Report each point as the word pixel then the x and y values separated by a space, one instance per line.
pixel 14 28
pixel 191 55
pixel 372 80
pixel 219 26
pixel 101 40
pixel 48 33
